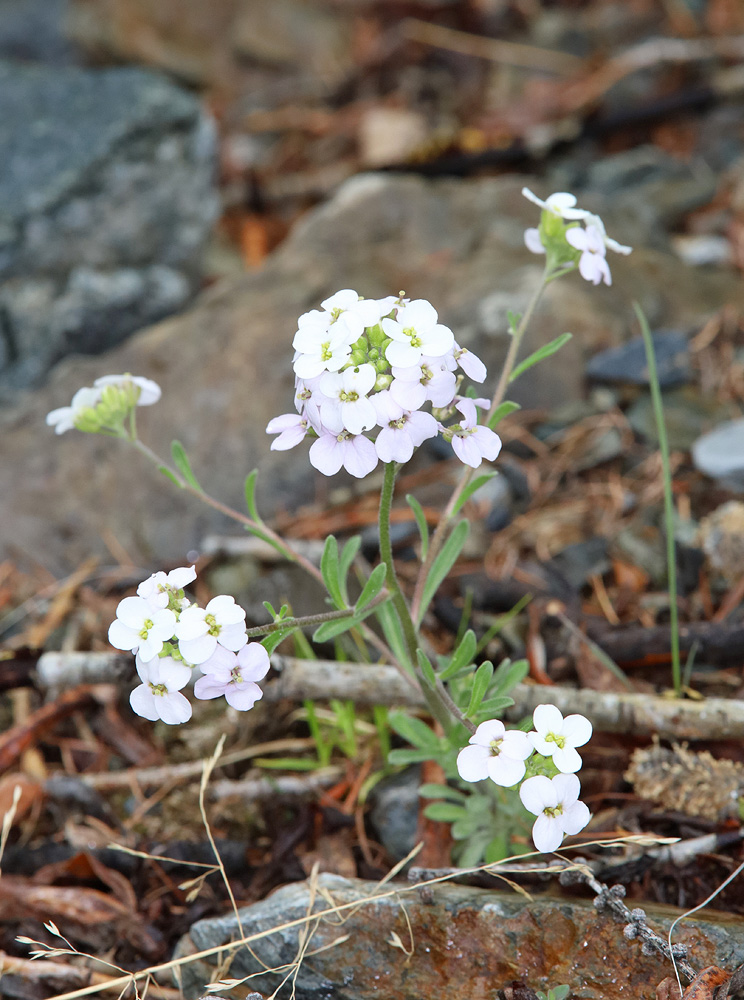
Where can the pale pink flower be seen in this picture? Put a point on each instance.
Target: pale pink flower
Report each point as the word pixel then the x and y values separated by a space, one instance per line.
pixel 402 430
pixel 234 675
pixel 473 442
pixel 592 264
pixel 291 428
pixel 416 332
pixel 140 626
pixel 355 453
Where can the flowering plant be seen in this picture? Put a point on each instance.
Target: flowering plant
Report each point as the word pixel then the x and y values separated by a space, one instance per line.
pixel 374 380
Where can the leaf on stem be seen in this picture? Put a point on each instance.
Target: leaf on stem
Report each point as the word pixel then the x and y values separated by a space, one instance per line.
pixel 443 563
pixel 461 657
pixel 423 527
pixel 540 354
pixel 481 682
pixel 348 554
pixel 426 668
pixel 372 587
pixel 502 411
pixel 181 462
pixel 415 731
pixel 170 475
pixel 250 495
pixel 330 569
pixel 472 488
pixel 444 812
pixel 434 791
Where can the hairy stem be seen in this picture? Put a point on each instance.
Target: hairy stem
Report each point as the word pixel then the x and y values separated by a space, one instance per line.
pixel 307 621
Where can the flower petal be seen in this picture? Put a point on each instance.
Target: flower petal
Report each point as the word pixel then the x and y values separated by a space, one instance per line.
pixel 547 833
pixel 142 701
pixel 472 763
pixel 505 771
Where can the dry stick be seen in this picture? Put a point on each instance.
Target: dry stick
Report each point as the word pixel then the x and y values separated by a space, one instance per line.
pixel 493 49
pixel 437 539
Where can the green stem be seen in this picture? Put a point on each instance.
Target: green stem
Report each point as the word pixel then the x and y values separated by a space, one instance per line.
pixel 386 554
pixel 307 621
pixel 658 407
pixel 438 701
pixel 437 539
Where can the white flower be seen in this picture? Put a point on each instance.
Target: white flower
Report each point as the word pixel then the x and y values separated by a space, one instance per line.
pixel 234 675
pixel 199 630
pixel 558 738
pixel 592 264
pixel 158 588
pixel 357 312
pixel 555 803
pixel 473 441
pixel 532 240
pixel 331 452
pixel 429 379
pixel 158 696
pixel 494 753
pixel 402 430
pixel 139 626
pixel 322 347
pixel 561 204
pixel 149 391
pixel 308 399
pixel 63 419
pixel 347 399
pixel 594 220
pixel 291 428
pixel 415 331
pixel 470 363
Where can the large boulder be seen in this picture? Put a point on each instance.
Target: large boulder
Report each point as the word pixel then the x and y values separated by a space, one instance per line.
pixel 107 197
pixel 225 366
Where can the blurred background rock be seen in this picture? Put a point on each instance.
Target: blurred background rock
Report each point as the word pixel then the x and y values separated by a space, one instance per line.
pixel 228 164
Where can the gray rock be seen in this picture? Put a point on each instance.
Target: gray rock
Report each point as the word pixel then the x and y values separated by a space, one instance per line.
pixel 225 366
pixel 471 942
pixel 627 363
pixel 395 811
pixel 106 201
pixel 34 30
pixel 686 415
pixel 720 454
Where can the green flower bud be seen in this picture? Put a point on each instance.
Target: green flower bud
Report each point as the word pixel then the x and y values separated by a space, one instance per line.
pixel 383 381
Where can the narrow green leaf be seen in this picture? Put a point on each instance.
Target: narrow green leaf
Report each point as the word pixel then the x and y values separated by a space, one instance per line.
pixel 508 675
pixel 491 707
pixel 423 527
pixel 462 656
pixel 372 587
pixel 481 681
pixel 540 354
pixel 181 462
pixel 434 791
pixel 273 639
pixel 472 488
pixel 287 763
pixel 270 541
pixel 329 630
pixel 329 567
pixel 250 495
pixel 444 812
pixel 393 632
pixel 502 411
pixel 348 554
pixel 426 668
pixel 169 475
pixel 443 563
pixel 414 730
pixel 406 756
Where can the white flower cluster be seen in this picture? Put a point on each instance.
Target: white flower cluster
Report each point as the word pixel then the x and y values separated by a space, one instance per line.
pixel 504 757
pixel 364 369
pixel 144 391
pixel 170 636
pixel 592 240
